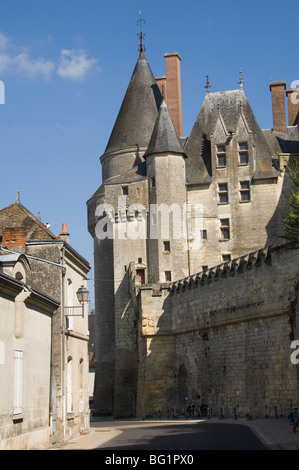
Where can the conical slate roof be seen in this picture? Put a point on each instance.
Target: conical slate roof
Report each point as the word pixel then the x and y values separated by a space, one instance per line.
pixel 139 109
pixel 164 137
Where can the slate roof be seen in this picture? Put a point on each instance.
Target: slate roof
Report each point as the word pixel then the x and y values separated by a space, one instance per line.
pixel 283 143
pixel 230 104
pixel 137 173
pixel 139 110
pixel 164 137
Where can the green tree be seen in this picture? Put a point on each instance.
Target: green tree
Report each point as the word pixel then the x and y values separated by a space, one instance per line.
pixel 291 222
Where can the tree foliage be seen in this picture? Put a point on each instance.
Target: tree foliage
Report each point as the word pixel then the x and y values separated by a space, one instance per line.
pixel 291 222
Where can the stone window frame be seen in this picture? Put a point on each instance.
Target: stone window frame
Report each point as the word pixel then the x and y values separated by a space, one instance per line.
pixel 243 152
pixel 125 190
pixel 203 234
pixel 220 154
pixel 167 275
pixel 166 246
pixel 244 191
pixel 223 193
pixel 224 229
pixel 226 257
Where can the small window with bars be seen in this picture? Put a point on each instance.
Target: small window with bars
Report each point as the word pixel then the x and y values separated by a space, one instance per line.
pixel 243 153
pixel 221 156
pixel 222 193
pixel 244 191
pixel 224 229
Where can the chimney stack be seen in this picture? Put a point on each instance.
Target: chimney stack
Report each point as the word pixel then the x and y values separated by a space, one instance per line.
pixel 279 106
pixel 293 105
pixel 64 235
pixel 173 96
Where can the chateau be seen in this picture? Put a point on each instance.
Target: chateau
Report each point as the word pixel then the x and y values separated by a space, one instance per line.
pixel 195 292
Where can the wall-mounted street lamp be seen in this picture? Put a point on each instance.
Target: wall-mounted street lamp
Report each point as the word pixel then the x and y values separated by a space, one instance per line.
pixel 82 295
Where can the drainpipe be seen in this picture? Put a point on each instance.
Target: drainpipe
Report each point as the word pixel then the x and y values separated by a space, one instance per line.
pixel 63 344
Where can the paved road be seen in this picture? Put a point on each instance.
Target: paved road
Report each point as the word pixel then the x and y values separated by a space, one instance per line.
pixel 193 436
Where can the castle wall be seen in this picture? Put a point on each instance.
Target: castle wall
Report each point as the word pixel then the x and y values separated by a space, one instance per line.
pixel 232 332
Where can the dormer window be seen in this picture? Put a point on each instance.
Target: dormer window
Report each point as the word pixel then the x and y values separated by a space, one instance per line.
pixel 243 153
pixel 221 156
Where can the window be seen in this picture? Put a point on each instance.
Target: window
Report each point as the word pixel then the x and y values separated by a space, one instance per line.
pixel 18 383
pixel 244 191
pixel 139 260
pixel 167 276
pixel 221 156
pixel 125 190
pixel 203 235
pixel 166 247
pixel 224 229
pixel 153 182
pixel 140 273
pixel 222 193
pixel 243 153
pixel 226 258
pixel 70 305
pixel 69 386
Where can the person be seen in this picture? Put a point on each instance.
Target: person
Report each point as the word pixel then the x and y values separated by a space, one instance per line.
pixel 203 409
pixel 296 421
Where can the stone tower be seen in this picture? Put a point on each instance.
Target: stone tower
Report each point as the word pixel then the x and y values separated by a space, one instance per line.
pixel 124 183
pixel 165 169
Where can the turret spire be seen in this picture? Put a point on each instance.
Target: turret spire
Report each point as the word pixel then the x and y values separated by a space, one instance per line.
pixel 141 34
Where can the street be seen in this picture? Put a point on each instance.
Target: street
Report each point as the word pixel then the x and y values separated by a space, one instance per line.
pixel 184 436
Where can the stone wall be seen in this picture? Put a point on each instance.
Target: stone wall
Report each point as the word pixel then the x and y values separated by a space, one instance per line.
pixel 230 332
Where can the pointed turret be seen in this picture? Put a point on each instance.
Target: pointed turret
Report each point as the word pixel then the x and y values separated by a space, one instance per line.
pixel 135 121
pixel 164 137
pixel 165 163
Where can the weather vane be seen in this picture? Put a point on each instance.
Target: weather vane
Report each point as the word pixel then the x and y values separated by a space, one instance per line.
pixel 241 79
pixel 207 86
pixel 141 22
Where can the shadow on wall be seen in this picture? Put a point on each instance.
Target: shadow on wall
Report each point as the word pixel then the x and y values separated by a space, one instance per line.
pixel 274 228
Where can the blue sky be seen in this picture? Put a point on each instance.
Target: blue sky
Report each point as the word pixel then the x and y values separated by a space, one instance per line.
pixel 66 66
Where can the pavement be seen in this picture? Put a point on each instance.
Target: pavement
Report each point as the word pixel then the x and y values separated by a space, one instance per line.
pixel 274 433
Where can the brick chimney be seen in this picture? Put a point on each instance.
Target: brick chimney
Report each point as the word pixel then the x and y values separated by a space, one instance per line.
pixel 279 106
pixel 14 236
pixel 173 96
pixel 293 105
pixel 161 82
pixel 64 235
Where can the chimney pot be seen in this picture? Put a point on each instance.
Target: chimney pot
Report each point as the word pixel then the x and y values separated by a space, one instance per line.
pixel 64 235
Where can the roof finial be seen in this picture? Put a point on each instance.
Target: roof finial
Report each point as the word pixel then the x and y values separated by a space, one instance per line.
pixel 207 85
pixel 241 79
pixel 17 197
pixel 141 21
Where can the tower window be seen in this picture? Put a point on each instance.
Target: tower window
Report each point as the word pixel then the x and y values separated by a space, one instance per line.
pixel 125 190
pixel 244 191
pixel 222 193
pixel 224 229
pixel 226 258
pixel 243 153
pixel 167 276
pixel 221 156
pixel 203 235
pixel 166 247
